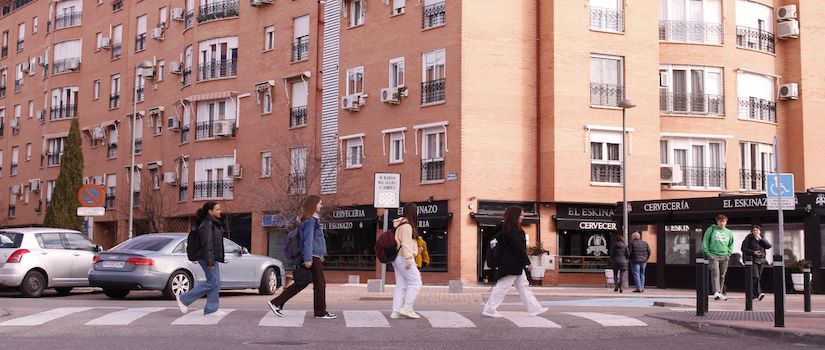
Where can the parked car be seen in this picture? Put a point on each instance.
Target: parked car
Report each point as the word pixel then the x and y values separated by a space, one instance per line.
pixel 37 258
pixel 158 261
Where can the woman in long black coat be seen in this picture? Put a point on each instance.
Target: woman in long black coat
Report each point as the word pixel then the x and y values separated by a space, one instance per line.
pixel 619 255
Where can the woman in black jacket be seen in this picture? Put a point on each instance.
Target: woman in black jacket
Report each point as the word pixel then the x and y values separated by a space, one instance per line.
pixel 513 260
pixel 210 253
pixel 754 247
pixel 619 254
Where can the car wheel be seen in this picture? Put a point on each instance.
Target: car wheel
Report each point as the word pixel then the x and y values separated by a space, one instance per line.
pixel 64 291
pixel 116 293
pixel 269 282
pixel 180 282
pixel 33 284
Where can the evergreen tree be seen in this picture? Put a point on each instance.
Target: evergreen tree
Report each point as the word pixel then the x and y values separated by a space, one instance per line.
pixel 62 211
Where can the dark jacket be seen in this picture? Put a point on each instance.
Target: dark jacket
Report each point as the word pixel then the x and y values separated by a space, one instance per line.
pixel 639 251
pixel 751 247
pixel 513 252
pixel 619 254
pixel 211 240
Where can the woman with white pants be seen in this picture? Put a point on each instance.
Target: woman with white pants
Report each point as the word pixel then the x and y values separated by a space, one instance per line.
pixel 513 260
pixel 407 277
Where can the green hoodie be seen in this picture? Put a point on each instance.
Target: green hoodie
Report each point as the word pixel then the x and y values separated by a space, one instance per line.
pixel 718 241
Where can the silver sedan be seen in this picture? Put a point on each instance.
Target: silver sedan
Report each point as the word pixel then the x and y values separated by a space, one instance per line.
pixel 158 261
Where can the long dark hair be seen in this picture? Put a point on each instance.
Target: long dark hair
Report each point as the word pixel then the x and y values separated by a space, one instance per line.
pixel 411 214
pixel 511 219
pixel 308 207
pixel 203 212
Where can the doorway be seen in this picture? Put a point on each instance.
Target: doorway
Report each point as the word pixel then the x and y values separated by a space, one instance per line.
pixel 486 233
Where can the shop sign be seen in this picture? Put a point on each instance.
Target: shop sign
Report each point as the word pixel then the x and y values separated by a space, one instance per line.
pixel 348 218
pixel 597 225
pixel 584 211
pixel 597 245
pixel 820 199
pixel 430 214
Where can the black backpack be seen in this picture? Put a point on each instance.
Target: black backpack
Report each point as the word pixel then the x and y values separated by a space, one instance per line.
pixel 292 246
pixel 193 245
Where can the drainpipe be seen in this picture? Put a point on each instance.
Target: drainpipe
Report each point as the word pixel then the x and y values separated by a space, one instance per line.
pixel 538 116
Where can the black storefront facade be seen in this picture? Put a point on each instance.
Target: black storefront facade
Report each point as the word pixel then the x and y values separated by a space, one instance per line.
pixel 433 220
pixel 350 235
pixel 679 225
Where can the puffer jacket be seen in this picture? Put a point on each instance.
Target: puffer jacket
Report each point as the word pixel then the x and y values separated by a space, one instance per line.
pixel 755 248
pixel 619 254
pixel 639 251
pixel 210 232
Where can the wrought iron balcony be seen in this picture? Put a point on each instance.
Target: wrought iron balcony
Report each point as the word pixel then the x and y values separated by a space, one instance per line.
pixel 298 116
pixel 300 48
pixel 67 20
pixel 704 177
pixel 188 19
pixel 693 32
pixel 432 169
pixel 186 78
pixel 757 39
pixel 54 158
pixel 206 130
pixel 213 189
pixel 752 180
pixel 606 19
pixel 111 150
pixel 63 112
pixel 433 91
pixel 140 42
pixel 297 183
pixel 606 173
pixel 696 104
pixel 757 109
pixel 184 134
pixel 434 15
pixel 114 101
pixel 117 5
pixel 18 85
pixel 218 10
pixel 64 65
pixel 183 192
pixel 218 69
pixel 606 94
pixel 117 49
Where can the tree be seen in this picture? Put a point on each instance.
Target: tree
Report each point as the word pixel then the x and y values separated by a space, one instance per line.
pixel 62 211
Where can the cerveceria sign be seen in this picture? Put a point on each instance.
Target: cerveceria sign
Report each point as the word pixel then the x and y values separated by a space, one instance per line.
pixel 585 217
pixel 349 218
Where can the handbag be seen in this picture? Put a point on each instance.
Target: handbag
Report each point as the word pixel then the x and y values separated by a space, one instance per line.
pixel 301 275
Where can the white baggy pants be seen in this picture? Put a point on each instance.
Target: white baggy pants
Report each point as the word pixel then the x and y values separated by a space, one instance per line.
pixel 503 286
pixel 407 284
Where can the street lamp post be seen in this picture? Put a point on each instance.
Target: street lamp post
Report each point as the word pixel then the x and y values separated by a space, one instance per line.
pixel 142 65
pixel 624 104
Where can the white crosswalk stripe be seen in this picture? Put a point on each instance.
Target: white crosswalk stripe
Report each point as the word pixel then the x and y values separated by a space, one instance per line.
pixel 45 316
pixel 291 318
pixel 446 319
pixel 609 320
pixel 365 319
pixel 523 320
pixel 198 318
pixel 124 317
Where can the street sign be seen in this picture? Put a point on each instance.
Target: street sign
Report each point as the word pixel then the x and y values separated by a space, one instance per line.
pixel 780 191
pixel 91 195
pixel 91 211
pixel 387 193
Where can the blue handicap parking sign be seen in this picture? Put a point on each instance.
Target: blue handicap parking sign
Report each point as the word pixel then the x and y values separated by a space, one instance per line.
pixel 781 189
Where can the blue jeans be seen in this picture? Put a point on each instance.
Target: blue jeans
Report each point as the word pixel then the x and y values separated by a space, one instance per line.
pixel 211 288
pixel 639 274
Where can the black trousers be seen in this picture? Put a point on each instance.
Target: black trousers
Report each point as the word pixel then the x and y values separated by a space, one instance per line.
pixel 319 289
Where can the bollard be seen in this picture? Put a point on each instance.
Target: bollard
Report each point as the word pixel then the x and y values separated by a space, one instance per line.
pixel 749 283
pixel 708 285
pixel 807 280
pixel 701 289
pixel 779 290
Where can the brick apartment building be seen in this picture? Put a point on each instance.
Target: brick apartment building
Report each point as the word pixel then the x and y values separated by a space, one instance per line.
pixel 478 104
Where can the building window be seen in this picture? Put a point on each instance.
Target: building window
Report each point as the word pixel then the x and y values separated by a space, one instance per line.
pixel 755 162
pixel 606 15
pixel 355 81
pixel 693 21
pixel 693 90
pixel 35 24
pixel 111 183
pixel 211 178
pixel 754 26
pixel 701 162
pixel 266 164
pixel 15 160
pixel 96 89
pixel 397 147
pixel 606 80
pixel 433 146
pixel 434 13
pixel 54 150
pixel 215 118
pixel 298 170
pixel 298 114
pixel 433 86
pixel 64 103
pixel 21 36
pixel 605 157
pixel 212 10
pixel 117 41
pixel 111 147
pixel 156 120
pixel 28 151
pixel 356 12
pixel 219 58
pixel 756 96
pixel 67 56
pixel 300 39
pixel 396 72
pixel 114 96
pixel 69 14
pixel 186 77
pixel 159 74
pixel 163 16
pixel 269 38
pixel 354 146
pixel 398 7
pixel 183 181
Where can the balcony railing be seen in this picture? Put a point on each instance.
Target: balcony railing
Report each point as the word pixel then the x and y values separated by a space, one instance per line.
pixel 606 173
pixel 111 150
pixel 184 134
pixel 140 42
pixel 757 109
pixel 298 116
pixel 110 198
pixel 117 49
pixel 432 169
pixel 693 32
pixel 139 92
pixel 434 15
pixel 218 10
pixel 67 20
pixel 433 91
pixel 752 180
pixel 606 19
pixel 677 103
pixel 188 19
pixel 63 112
pixel 18 85
pixel 693 176
pixel 54 158
pixel 300 48
pixel 218 69
pixel 117 5
pixel 65 65
pixel 13 169
pixel 606 94
pixel 114 101
pixel 206 130
pixel 183 192
pixel 213 189
pixel 297 183
pixel 186 78
pixel 757 39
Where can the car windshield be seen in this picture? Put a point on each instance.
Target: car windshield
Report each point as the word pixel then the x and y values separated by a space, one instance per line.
pixel 10 239
pixel 144 243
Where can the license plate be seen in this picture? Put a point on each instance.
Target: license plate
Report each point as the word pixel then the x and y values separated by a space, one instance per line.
pixel 112 263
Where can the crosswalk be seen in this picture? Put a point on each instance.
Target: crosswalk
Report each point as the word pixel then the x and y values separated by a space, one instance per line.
pixel 119 316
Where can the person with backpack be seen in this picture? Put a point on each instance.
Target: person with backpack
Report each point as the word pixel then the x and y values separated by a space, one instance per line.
pixel 313 249
pixel 208 253
pixel 510 257
pixel 407 276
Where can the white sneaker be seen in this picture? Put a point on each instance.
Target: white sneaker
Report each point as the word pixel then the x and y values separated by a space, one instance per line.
pixel 539 311
pixel 218 313
pixel 719 296
pixel 493 314
pixel 395 315
pixel 181 306
pixel 409 313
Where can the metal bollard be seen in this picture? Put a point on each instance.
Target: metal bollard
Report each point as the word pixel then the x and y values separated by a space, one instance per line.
pixel 806 272
pixel 779 290
pixel 701 288
pixel 749 283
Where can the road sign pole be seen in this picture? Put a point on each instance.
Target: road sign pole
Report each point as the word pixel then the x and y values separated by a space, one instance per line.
pixel 384 265
pixel 91 223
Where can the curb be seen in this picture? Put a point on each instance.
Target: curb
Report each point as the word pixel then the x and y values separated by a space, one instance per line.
pixel 4 313
pixel 781 334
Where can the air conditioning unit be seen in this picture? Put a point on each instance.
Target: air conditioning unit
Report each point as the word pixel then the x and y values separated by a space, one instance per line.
pixel 352 102
pixel 73 65
pixel 392 94
pixel 787 29
pixel 177 14
pixel 234 170
pixel 789 91
pixel 260 2
pixel 670 173
pixel 104 43
pixel 173 123
pixel 223 128
pixel 98 133
pixel 784 13
pixel 170 178
pixel 24 67
pixel 148 73
pixel 157 33
pixel 96 179
pixel 174 67
pixel 15 189
pixel 34 185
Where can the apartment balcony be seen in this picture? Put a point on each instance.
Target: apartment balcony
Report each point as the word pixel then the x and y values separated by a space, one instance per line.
pixel 757 109
pixel 65 65
pixel 111 150
pixel 188 19
pixel 139 94
pixel 218 10
pixel 184 134
pixel 433 91
pixel 213 189
pixel 606 19
pixel 434 15
pixel 186 77
pixel 298 116
pixel 117 50
pixel 140 42
pixel 67 20
pixel 606 173
pixel 54 158
pixel 117 5
pixel 606 94
pixel 110 198
pixel 753 180
pixel 691 104
pixel 691 32
pixel 702 177
pixel 114 101
pixel 432 169
pixel 297 183
pixel 300 48
pixel 13 169
pixel 218 69
pixel 63 112
pixel 207 130
pixel 757 39
pixel 18 85
pixel 183 192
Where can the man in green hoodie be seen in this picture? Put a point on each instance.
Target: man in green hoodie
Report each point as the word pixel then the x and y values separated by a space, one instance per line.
pixel 717 245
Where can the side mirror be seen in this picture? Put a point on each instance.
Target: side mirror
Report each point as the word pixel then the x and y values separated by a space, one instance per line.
pixel 244 251
pixel 98 248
